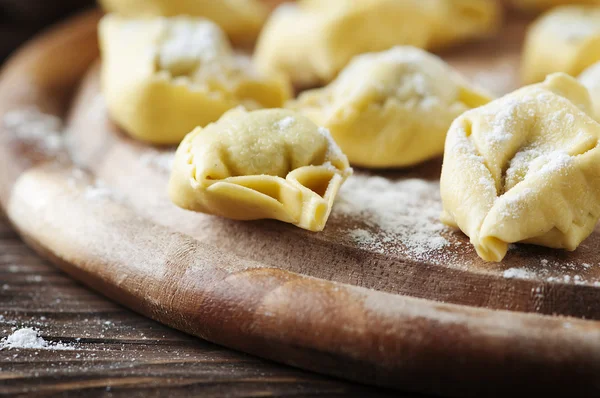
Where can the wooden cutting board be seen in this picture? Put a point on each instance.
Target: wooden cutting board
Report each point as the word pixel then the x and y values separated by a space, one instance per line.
pixel 385 295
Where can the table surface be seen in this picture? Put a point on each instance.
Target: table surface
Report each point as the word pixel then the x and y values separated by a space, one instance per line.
pixel 117 352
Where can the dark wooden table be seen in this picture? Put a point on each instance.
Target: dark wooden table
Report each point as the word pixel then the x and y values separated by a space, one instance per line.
pixel 120 353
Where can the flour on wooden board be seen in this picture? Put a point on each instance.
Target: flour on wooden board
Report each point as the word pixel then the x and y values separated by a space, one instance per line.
pixel 94 189
pixel 553 272
pixel 404 212
pixel 162 161
pixel 42 130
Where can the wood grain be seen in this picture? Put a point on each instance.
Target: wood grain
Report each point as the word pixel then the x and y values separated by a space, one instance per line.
pixel 343 329
pixel 455 275
pixel 119 353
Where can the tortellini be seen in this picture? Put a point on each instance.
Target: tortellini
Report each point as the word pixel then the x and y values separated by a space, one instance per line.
pixel 240 19
pixel 271 163
pixel 565 39
pixel 524 168
pixel 392 108
pixel 313 40
pixel 162 77
pixel 590 78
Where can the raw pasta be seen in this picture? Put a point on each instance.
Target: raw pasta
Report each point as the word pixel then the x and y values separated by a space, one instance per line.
pixel 313 40
pixel 393 108
pixel 162 77
pixel 565 39
pixel 524 168
pixel 270 163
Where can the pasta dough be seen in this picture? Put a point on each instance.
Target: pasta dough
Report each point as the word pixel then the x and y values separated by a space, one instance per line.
pixel 590 78
pixel 391 108
pixel 162 77
pixel 312 41
pixel 565 39
pixel 240 19
pixel 524 168
pixel 270 163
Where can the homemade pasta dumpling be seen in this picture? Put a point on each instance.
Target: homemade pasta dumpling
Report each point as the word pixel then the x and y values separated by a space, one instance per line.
pixel 392 108
pixel 565 39
pixel 590 78
pixel 461 20
pixel 524 168
pixel 270 163
pixel 240 19
pixel 162 77
pixel 313 40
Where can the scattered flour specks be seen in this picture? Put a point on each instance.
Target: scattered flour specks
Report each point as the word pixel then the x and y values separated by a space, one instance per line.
pixel 37 128
pixel 404 212
pixel 285 123
pixel 30 338
pixel 98 191
pixel 163 161
pixel 93 189
pixel 518 273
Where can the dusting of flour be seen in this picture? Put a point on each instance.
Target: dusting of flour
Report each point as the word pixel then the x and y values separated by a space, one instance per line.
pixel 286 122
pixel 42 130
pixel 404 212
pixel 162 161
pixel 30 338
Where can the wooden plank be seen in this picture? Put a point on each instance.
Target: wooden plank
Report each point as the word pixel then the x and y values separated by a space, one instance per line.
pixel 119 351
pixel 263 305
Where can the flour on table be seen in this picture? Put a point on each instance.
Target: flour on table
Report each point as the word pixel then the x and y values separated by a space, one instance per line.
pixel 98 191
pixel 30 338
pixel 554 272
pixel 163 161
pixel 37 128
pixel 404 212
pixel 518 273
pixel 93 189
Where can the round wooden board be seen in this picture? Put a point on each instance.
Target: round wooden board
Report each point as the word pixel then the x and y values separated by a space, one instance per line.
pixel 385 295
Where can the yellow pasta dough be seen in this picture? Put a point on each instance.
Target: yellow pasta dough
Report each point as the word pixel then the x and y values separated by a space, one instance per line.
pixel 565 39
pixel 590 78
pixel 524 168
pixel 392 108
pixel 162 77
pixel 240 19
pixel 313 40
pixel 271 163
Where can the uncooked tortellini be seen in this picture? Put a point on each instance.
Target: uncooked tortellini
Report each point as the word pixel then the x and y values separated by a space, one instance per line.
pixel 590 78
pixel 263 164
pixel 313 40
pixel 524 168
pixel 162 77
pixel 391 108
pixel 240 19
pixel 565 39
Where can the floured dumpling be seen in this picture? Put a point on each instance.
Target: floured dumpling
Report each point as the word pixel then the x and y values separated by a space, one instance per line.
pixel 590 78
pixel 162 77
pixel 391 108
pixel 565 39
pixel 536 5
pixel 524 168
pixel 240 19
pixel 270 163
pixel 313 40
